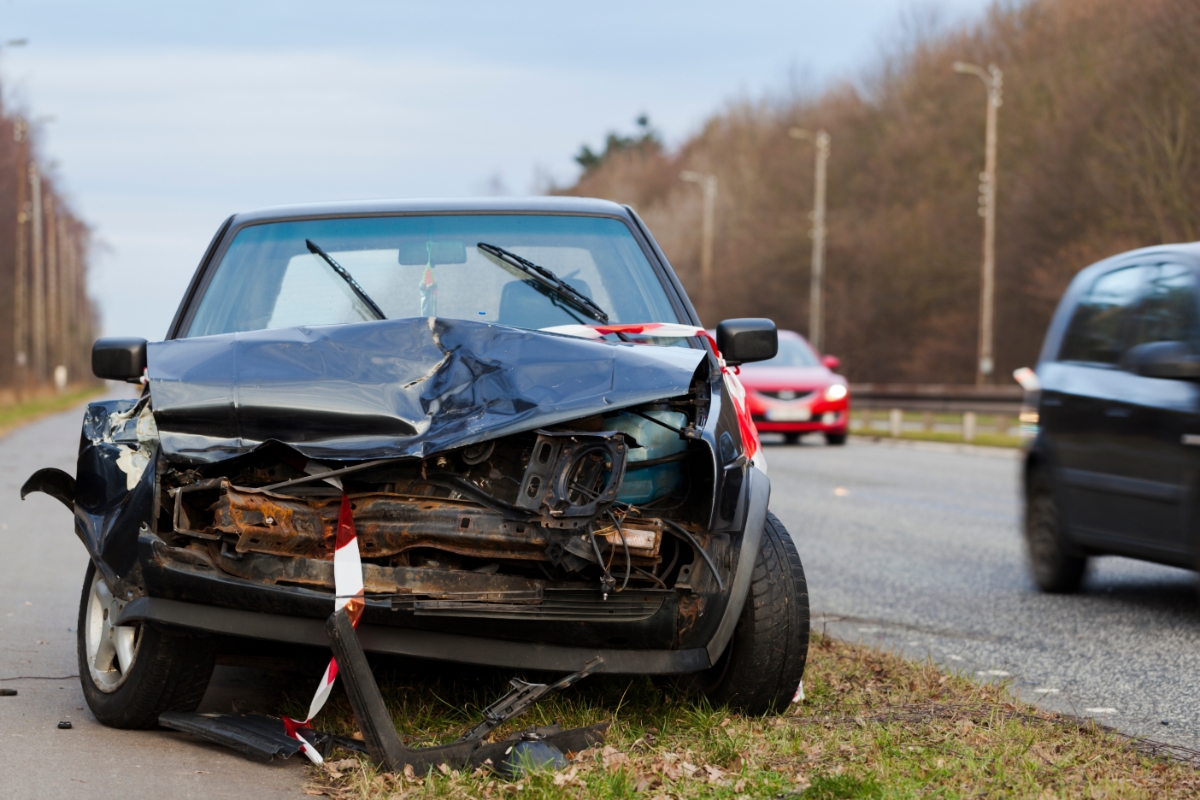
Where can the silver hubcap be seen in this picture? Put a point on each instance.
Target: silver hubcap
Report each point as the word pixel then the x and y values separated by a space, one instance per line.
pixel 111 648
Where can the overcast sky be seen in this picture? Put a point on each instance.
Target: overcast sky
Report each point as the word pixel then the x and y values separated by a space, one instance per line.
pixel 167 118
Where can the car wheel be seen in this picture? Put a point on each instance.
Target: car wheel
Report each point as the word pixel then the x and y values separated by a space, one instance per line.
pixel 835 438
pixel 1056 564
pixel 764 661
pixel 132 673
pixel 791 438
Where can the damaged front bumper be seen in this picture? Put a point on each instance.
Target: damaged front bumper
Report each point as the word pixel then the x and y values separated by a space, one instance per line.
pixel 637 633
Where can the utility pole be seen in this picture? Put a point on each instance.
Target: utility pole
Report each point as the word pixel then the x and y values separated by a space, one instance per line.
pixel 38 299
pixel 20 289
pixel 709 184
pixel 816 299
pixel 993 81
pixel 53 331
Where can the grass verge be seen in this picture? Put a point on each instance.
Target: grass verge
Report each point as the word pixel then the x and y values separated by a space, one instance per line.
pixel 14 415
pixel 873 725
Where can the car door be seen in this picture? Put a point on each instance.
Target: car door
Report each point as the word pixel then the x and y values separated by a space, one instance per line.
pixel 1081 404
pixel 1158 458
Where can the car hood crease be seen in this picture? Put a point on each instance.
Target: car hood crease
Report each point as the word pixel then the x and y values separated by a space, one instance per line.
pixel 405 387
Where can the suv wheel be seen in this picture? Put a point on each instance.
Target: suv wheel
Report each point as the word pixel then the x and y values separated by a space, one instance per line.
pixel 764 661
pixel 1054 561
pixel 132 673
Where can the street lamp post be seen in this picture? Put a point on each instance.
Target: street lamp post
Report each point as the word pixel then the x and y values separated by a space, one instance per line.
pixel 709 184
pixel 816 318
pixel 993 80
pixel 20 299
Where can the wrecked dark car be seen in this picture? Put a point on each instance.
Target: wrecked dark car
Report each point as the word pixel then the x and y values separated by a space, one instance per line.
pixel 546 459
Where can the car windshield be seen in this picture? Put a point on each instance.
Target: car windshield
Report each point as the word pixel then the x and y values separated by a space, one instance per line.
pixel 792 353
pixel 425 266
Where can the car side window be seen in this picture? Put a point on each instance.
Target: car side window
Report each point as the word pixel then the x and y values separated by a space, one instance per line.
pixel 1167 310
pixel 1097 326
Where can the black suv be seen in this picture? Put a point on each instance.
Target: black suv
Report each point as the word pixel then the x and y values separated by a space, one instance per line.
pixel 1115 466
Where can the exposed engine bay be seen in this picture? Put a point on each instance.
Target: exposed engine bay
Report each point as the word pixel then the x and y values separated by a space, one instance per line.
pixel 607 503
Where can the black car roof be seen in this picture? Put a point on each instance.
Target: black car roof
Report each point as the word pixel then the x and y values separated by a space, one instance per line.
pixel 1085 276
pixel 1191 249
pixel 463 205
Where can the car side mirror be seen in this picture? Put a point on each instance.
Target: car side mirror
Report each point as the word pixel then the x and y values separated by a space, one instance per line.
pixel 1175 360
pixel 744 340
pixel 831 362
pixel 119 359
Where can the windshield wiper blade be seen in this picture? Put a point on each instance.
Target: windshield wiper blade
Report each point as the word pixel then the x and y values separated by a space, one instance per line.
pixel 549 280
pixel 347 277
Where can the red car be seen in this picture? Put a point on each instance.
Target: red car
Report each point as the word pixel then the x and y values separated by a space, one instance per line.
pixel 797 392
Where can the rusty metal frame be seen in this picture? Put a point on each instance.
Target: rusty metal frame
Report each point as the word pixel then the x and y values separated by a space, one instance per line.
pixel 387 524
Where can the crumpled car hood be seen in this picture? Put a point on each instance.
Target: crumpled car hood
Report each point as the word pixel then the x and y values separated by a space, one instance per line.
pixel 392 388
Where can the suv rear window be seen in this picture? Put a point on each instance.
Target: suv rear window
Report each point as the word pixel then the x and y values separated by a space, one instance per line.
pixel 1167 311
pixel 1094 334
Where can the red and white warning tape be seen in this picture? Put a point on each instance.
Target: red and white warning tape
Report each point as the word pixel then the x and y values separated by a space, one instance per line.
pixel 348 594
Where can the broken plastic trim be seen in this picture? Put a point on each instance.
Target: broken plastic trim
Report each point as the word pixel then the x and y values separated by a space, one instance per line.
pixel 53 482
pixel 251 735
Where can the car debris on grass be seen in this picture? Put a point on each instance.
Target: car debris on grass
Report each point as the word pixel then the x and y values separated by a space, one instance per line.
pixel 872 724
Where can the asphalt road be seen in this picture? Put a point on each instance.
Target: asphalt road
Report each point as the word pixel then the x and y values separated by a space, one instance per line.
pixel 912 547
pixel 916 548
pixel 41 576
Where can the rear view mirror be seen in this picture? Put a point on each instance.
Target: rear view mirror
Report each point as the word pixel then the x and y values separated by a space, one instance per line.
pixel 1177 360
pixel 744 340
pixel 119 359
pixel 416 253
pixel 831 362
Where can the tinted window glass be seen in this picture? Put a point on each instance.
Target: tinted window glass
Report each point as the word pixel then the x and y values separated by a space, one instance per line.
pixel 429 266
pixel 1096 328
pixel 792 353
pixel 1167 310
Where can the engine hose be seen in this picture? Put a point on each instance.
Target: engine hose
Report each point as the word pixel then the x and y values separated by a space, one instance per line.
pixel 703 553
pixel 624 544
pixel 608 579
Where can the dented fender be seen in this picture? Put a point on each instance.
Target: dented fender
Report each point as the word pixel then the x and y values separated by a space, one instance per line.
pixel 112 493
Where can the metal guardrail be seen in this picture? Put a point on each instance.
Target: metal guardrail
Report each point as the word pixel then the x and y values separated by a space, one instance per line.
pixel 937 397
pixel 900 400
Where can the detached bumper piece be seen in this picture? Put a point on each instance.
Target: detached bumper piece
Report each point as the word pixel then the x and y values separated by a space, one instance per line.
pixel 264 737
pixel 255 735
pixel 386 749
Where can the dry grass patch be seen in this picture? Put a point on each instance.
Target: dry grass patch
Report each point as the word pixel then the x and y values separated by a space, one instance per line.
pixel 872 725
pixel 14 415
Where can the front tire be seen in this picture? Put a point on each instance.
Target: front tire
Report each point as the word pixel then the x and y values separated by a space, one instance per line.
pixel 791 438
pixel 132 673
pixel 835 438
pixel 1055 562
pixel 764 661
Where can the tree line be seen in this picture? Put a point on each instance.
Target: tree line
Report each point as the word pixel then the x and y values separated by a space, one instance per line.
pixel 47 319
pixel 1096 150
